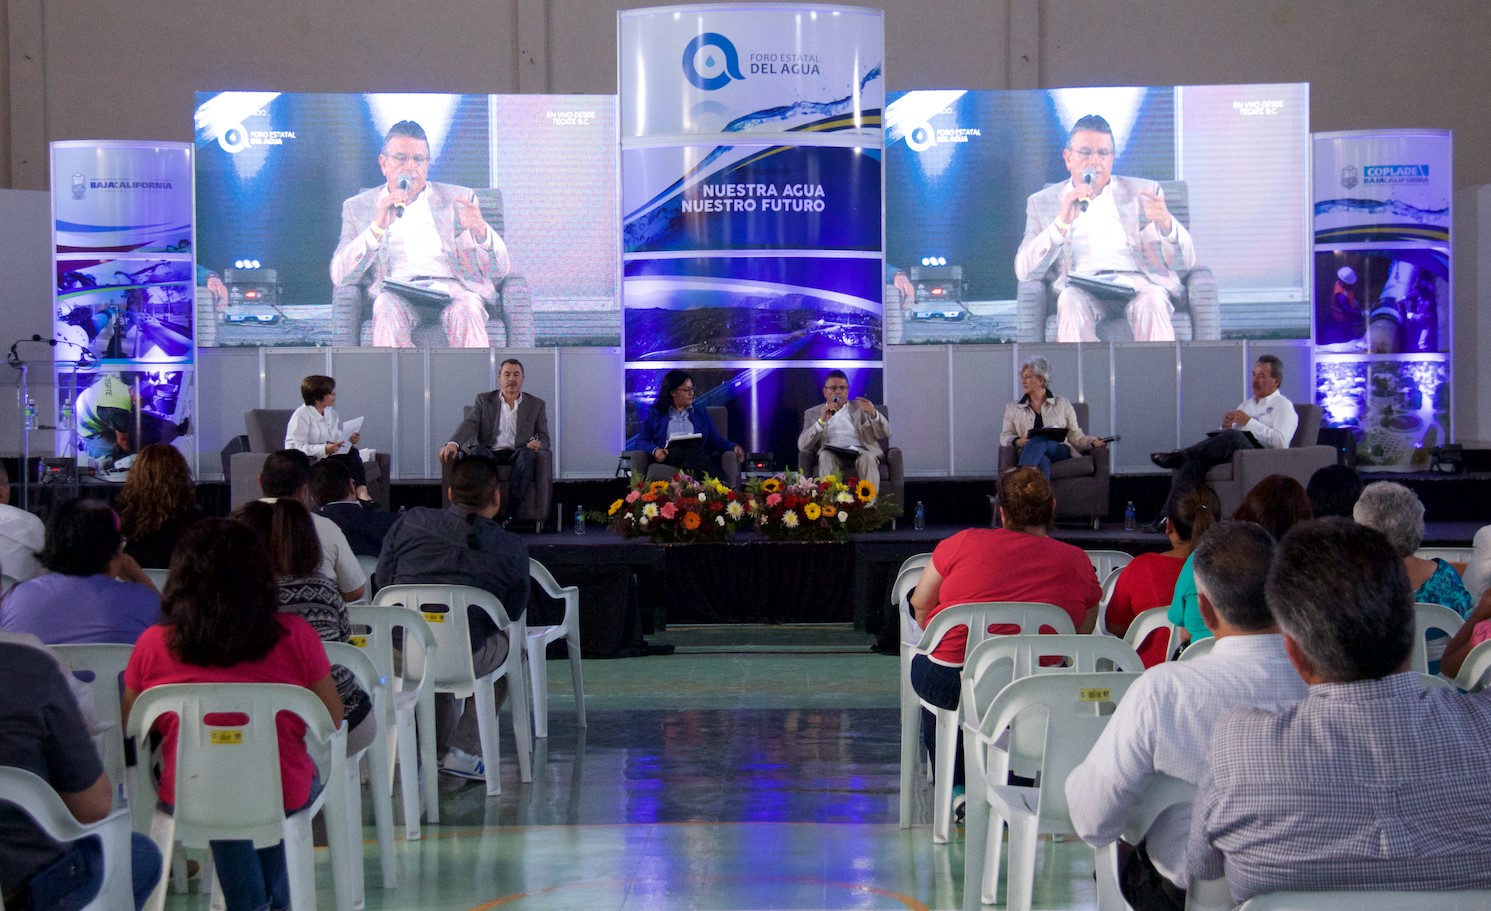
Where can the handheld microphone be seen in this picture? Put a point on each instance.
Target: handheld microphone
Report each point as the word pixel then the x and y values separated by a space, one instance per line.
pixel 1087 175
pixel 398 210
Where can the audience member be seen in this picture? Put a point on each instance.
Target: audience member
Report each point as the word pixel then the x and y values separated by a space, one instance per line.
pixel 295 554
pixel 45 734
pixel 1477 629
pixel 22 536
pixel 93 592
pixel 221 626
pixel 286 474
pixel 157 505
pixel 1333 491
pixel 1163 724
pixel 462 544
pixel 331 486
pixel 1150 579
pixel 1477 569
pixel 1370 782
pixel 976 565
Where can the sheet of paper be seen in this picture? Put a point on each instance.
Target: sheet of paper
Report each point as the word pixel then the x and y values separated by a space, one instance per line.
pixel 352 426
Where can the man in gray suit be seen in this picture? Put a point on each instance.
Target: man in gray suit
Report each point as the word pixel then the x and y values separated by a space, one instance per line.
pixel 845 432
pixel 507 425
pixel 1115 228
pixel 429 235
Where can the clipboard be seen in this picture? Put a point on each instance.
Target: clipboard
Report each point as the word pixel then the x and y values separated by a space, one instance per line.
pixel 417 293
pixel 1101 287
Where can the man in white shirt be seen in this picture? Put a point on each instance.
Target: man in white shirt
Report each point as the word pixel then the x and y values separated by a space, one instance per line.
pixel 1163 724
pixel 22 536
pixel 428 234
pixel 845 432
pixel 1097 224
pixel 511 427
pixel 1265 421
pixel 286 474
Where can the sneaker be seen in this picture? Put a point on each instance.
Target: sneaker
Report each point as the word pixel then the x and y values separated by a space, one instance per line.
pixel 462 764
pixel 960 804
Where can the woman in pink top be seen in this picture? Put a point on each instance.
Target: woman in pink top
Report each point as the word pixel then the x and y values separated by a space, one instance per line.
pixel 222 625
pixel 1477 629
pixel 1018 562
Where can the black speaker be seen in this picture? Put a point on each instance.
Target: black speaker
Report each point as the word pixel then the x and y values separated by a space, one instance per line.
pixel 1342 441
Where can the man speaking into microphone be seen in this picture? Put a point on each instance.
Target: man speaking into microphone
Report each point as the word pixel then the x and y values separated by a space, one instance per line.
pixel 423 235
pixel 845 433
pixel 1116 230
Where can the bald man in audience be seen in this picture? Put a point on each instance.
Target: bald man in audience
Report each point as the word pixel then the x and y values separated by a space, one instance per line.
pixel 1164 723
pixel 1372 781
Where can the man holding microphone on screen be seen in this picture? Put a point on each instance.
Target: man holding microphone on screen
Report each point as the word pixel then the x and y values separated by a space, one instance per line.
pixel 1115 228
pixel 424 234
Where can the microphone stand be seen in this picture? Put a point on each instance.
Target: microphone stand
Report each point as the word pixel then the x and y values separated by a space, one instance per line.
pixel 13 359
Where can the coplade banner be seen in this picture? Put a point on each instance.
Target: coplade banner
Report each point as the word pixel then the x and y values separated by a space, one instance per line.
pixel 1383 187
pixel 765 68
pixel 112 199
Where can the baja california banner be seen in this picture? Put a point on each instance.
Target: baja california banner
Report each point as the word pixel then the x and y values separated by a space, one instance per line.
pixel 751 173
pixel 1383 303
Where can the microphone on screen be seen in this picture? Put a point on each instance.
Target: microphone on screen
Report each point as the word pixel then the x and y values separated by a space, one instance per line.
pixel 398 210
pixel 1087 175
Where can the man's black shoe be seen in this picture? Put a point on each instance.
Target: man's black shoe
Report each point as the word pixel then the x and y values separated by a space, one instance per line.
pixel 1168 460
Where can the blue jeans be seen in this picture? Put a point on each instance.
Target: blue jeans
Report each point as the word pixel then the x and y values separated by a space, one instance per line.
pixel 87 855
pixel 254 879
pixel 942 686
pixel 1041 453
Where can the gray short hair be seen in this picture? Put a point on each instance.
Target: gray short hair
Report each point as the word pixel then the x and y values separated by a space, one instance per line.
pixel 1039 366
pixel 1337 589
pixel 1395 511
pixel 1231 566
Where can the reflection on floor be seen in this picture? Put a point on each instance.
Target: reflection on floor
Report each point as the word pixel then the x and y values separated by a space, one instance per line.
pixel 705 780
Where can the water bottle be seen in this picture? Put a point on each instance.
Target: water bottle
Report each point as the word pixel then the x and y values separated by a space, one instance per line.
pixel 579 520
pixel 1129 521
pixel 64 421
pixel 920 521
pixel 30 413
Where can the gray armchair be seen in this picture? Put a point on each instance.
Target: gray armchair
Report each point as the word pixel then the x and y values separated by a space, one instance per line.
pixel 510 326
pixel 1197 312
pixel 265 428
pixel 1302 459
pixel 540 499
pixel 892 472
pixel 641 461
pixel 1080 484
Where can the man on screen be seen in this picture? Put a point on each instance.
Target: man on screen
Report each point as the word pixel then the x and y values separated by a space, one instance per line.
pixel 1096 224
pixel 431 235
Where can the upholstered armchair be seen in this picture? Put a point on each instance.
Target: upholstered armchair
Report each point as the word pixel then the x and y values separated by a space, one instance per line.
pixel 265 428
pixel 1080 484
pixel 892 478
pixel 1303 458
pixel 641 461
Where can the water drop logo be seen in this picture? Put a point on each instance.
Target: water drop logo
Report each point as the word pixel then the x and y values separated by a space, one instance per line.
pixel 710 62
pixel 921 137
pixel 234 139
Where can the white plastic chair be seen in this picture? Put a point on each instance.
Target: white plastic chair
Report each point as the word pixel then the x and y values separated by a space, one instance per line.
pixel 105 662
pixel 539 638
pixel 995 664
pixel 1110 582
pixel 157 577
pixel 1149 621
pixel 1429 617
pixel 1477 900
pixel 369 566
pixel 1162 793
pixel 445 609
pixel 1197 649
pixel 7 583
pixel 1072 709
pixel 408 710
pixel 1475 672
pixel 34 797
pixel 1104 562
pixel 228 780
pixel 376 686
pixel 906 578
pixel 1028 617
pixel 1458 556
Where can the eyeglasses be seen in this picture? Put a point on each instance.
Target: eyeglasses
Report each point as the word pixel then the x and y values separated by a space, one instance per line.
pixel 686 390
pixel 403 159
pixel 839 388
pixel 1099 154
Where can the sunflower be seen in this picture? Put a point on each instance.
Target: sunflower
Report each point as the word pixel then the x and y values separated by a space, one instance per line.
pixel 865 491
pixel 614 507
pixel 657 487
pixel 812 511
pixel 691 520
pixel 771 485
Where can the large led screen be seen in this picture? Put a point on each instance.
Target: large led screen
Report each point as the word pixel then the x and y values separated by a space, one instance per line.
pixel 1195 223
pixel 329 220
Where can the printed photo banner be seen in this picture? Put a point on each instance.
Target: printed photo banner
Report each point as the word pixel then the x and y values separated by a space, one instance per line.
pixel 1386 187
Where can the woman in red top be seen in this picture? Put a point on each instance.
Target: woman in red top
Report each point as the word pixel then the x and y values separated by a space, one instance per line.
pixel 1149 581
pixel 222 625
pixel 1017 562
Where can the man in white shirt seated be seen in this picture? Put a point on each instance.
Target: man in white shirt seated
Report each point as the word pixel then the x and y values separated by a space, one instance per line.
pixel 845 432
pixel 22 536
pixel 1265 421
pixel 1163 724
pixel 286 474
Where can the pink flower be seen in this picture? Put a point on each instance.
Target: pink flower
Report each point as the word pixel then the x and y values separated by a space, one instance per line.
pixel 669 510
pixel 634 496
pixel 773 499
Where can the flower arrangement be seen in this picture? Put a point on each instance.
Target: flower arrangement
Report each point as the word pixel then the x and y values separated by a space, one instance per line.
pixel 791 506
pixel 678 510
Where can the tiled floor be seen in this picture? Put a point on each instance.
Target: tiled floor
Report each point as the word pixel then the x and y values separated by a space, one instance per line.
pixel 705 780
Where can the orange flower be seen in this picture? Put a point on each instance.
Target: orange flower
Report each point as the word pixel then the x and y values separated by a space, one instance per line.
pixel 648 497
pixel 829 510
pixel 691 520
